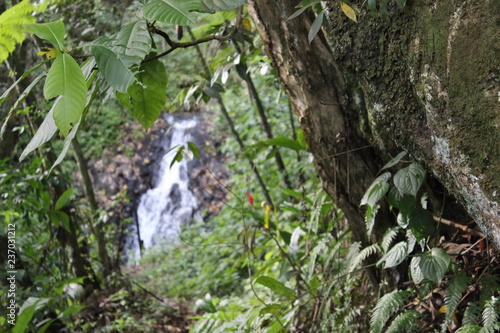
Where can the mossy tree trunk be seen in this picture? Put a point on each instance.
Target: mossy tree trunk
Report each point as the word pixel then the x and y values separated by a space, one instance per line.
pixel 426 82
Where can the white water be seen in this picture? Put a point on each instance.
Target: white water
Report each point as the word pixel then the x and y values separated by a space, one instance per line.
pixel 164 209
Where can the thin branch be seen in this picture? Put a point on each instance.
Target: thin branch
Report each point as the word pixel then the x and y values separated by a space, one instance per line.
pixel 177 45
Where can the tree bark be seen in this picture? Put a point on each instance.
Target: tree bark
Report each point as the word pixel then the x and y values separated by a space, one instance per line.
pixel 344 159
pixel 411 84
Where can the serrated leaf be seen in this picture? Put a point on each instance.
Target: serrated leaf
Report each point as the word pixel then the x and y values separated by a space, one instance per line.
pixel 147 96
pixel 318 22
pixel 348 11
pixel 396 255
pixel 403 220
pixel 53 32
pixel 377 190
pixel 133 42
pixel 416 273
pixel 276 287
pixel 65 79
pixel 171 11
pixel 220 5
pixel 44 133
pixel 114 70
pixel 11 22
pixel 434 264
pixel 409 179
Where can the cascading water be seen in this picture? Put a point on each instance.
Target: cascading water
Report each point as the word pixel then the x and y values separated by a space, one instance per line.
pixel 164 209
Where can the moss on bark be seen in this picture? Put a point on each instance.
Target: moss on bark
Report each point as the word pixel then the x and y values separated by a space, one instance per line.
pixel 430 80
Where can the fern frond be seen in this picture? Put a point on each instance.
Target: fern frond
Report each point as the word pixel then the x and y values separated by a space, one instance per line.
pixel 404 322
pixel 491 313
pixel 452 296
pixel 469 329
pixel 386 307
pixel 11 25
pixel 490 284
pixel 471 314
pixel 388 238
pixel 362 255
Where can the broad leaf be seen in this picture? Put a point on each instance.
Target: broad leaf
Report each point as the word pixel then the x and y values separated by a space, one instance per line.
pixel 133 42
pixel 65 79
pixel 434 264
pixel 409 179
pixel 112 67
pixel 220 5
pixel 421 223
pixel 72 133
pixel 63 199
pixel 276 287
pixel 53 32
pixel 171 11
pixel 395 256
pixel 147 97
pixel 194 149
pixel 44 133
pixel 377 190
pixel 416 273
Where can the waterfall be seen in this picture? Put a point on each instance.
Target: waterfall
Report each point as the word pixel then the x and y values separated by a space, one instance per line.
pixel 169 205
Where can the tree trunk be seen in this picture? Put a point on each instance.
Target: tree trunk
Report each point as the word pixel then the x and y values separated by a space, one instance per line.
pixel 344 159
pixel 411 84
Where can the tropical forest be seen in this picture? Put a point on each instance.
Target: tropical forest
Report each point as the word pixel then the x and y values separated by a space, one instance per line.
pixel 209 166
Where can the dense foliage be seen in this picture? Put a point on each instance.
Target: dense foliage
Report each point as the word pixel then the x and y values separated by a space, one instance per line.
pixel 278 257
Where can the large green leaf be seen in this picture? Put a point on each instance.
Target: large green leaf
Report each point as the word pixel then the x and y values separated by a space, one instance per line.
pixel 434 264
pixel 395 256
pixel 113 68
pixel 276 287
pixel 220 5
pixel 133 42
pixel 416 273
pixel 421 223
pixel 44 133
pixel 409 179
pixel 53 32
pixel 65 79
pixel 147 97
pixel 171 11
pixel 377 190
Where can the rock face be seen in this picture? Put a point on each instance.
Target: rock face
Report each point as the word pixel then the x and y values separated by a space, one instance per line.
pixel 161 195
